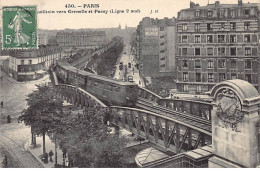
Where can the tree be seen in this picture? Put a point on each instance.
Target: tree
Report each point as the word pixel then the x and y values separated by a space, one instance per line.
pixel 44 110
pixel 88 142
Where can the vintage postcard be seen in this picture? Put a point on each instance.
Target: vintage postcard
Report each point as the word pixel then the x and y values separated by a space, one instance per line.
pixel 129 84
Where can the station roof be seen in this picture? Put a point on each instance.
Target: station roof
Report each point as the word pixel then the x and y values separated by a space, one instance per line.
pixel 149 155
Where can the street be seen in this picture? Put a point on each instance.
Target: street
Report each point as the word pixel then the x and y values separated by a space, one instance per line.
pixel 14 135
pixel 126 58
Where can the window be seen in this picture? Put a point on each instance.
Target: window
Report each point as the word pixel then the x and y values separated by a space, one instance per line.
pixel 210 64
pixel 197 38
pixel 161 28
pixel 210 77
pixel 197 51
pixel 221 76
pixel 247 51
pixel 247 11
pixel 248 64
pixel 221 63
pixel 210 51
pixel 22 62
pixel 197 26
pixel 198 88
pixel 198 77
pixel 197 13
pixel 184 27
pixel 185 77
pixel 221 12
pixel 246 25
pixel 248 78
pixel 185 64
pixel 185 88
pixel 233 39
pixel 247 38
pixel 209 13
pixel 209 27
pixel 233 63
pixel 233 76
pixel 233 13
pixel 233 51
pixel 197 64
pixel 184 39
pixel 162 66
pixel 221 38
pixel 30 61
pixel 232 26
pixel 222 26
pixel 184 51
pixel 209 38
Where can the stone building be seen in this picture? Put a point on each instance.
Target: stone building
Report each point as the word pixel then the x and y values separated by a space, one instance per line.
pixel 217 42
pixel 156 47
pixel 86 39
pixel 27 65
pixel 42 39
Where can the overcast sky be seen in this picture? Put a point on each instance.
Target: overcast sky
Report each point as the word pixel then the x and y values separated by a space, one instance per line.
pixel 166 8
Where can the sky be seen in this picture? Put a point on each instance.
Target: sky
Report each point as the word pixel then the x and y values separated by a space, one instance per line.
pixel 165 8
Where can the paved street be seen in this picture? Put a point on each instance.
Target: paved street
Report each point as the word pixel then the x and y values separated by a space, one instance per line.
pixel 126 58
pixel 13 136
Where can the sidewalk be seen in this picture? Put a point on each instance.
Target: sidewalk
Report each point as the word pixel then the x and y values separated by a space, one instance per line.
pixel 37 151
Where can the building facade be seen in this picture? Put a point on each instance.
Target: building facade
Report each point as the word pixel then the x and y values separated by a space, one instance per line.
pixel 217 42
pixel 86 39
pixel 42 39
pixel 156 47
pixel 27 65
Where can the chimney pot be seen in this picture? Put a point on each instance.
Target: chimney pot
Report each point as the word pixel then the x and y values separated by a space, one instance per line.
pixel 240 2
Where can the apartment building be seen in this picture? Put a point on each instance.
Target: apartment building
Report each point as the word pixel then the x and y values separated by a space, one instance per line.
pixel 217 42
pixel 27 65
pixel 86 39
pixel 156 46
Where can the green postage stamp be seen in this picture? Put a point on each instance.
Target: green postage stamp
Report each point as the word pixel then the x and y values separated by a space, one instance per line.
pixel 19 27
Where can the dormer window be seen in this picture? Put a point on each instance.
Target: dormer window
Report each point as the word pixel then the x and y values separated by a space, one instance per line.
pixel 197 13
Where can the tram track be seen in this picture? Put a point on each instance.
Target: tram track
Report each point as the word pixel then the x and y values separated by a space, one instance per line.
pixel 21 156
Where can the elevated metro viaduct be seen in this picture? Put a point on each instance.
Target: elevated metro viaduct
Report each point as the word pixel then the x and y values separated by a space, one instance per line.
pixel 177 126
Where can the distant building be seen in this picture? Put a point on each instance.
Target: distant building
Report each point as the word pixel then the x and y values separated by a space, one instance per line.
pixel 217 42
pixel 156 46
pixel 27 65
pixel 86 39
pixel 42 39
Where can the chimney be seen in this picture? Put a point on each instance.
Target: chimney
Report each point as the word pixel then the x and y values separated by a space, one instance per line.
pixel 217 3
pixel 192 4
pixel 240 2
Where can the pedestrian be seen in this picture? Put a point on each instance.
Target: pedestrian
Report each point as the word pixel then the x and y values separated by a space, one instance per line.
pixel 2 104
pixel 67 163
pixel 71 164
pixel 64 151
pixel 5 162
pixel 51 154
pixel 8 119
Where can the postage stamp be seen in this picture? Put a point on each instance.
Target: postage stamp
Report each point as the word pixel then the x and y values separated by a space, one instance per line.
pixel 19 27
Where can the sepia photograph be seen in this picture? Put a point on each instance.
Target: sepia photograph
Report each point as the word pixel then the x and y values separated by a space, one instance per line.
pixel 130 84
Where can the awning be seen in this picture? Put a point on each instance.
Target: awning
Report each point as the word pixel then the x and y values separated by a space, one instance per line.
pixel 40 72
